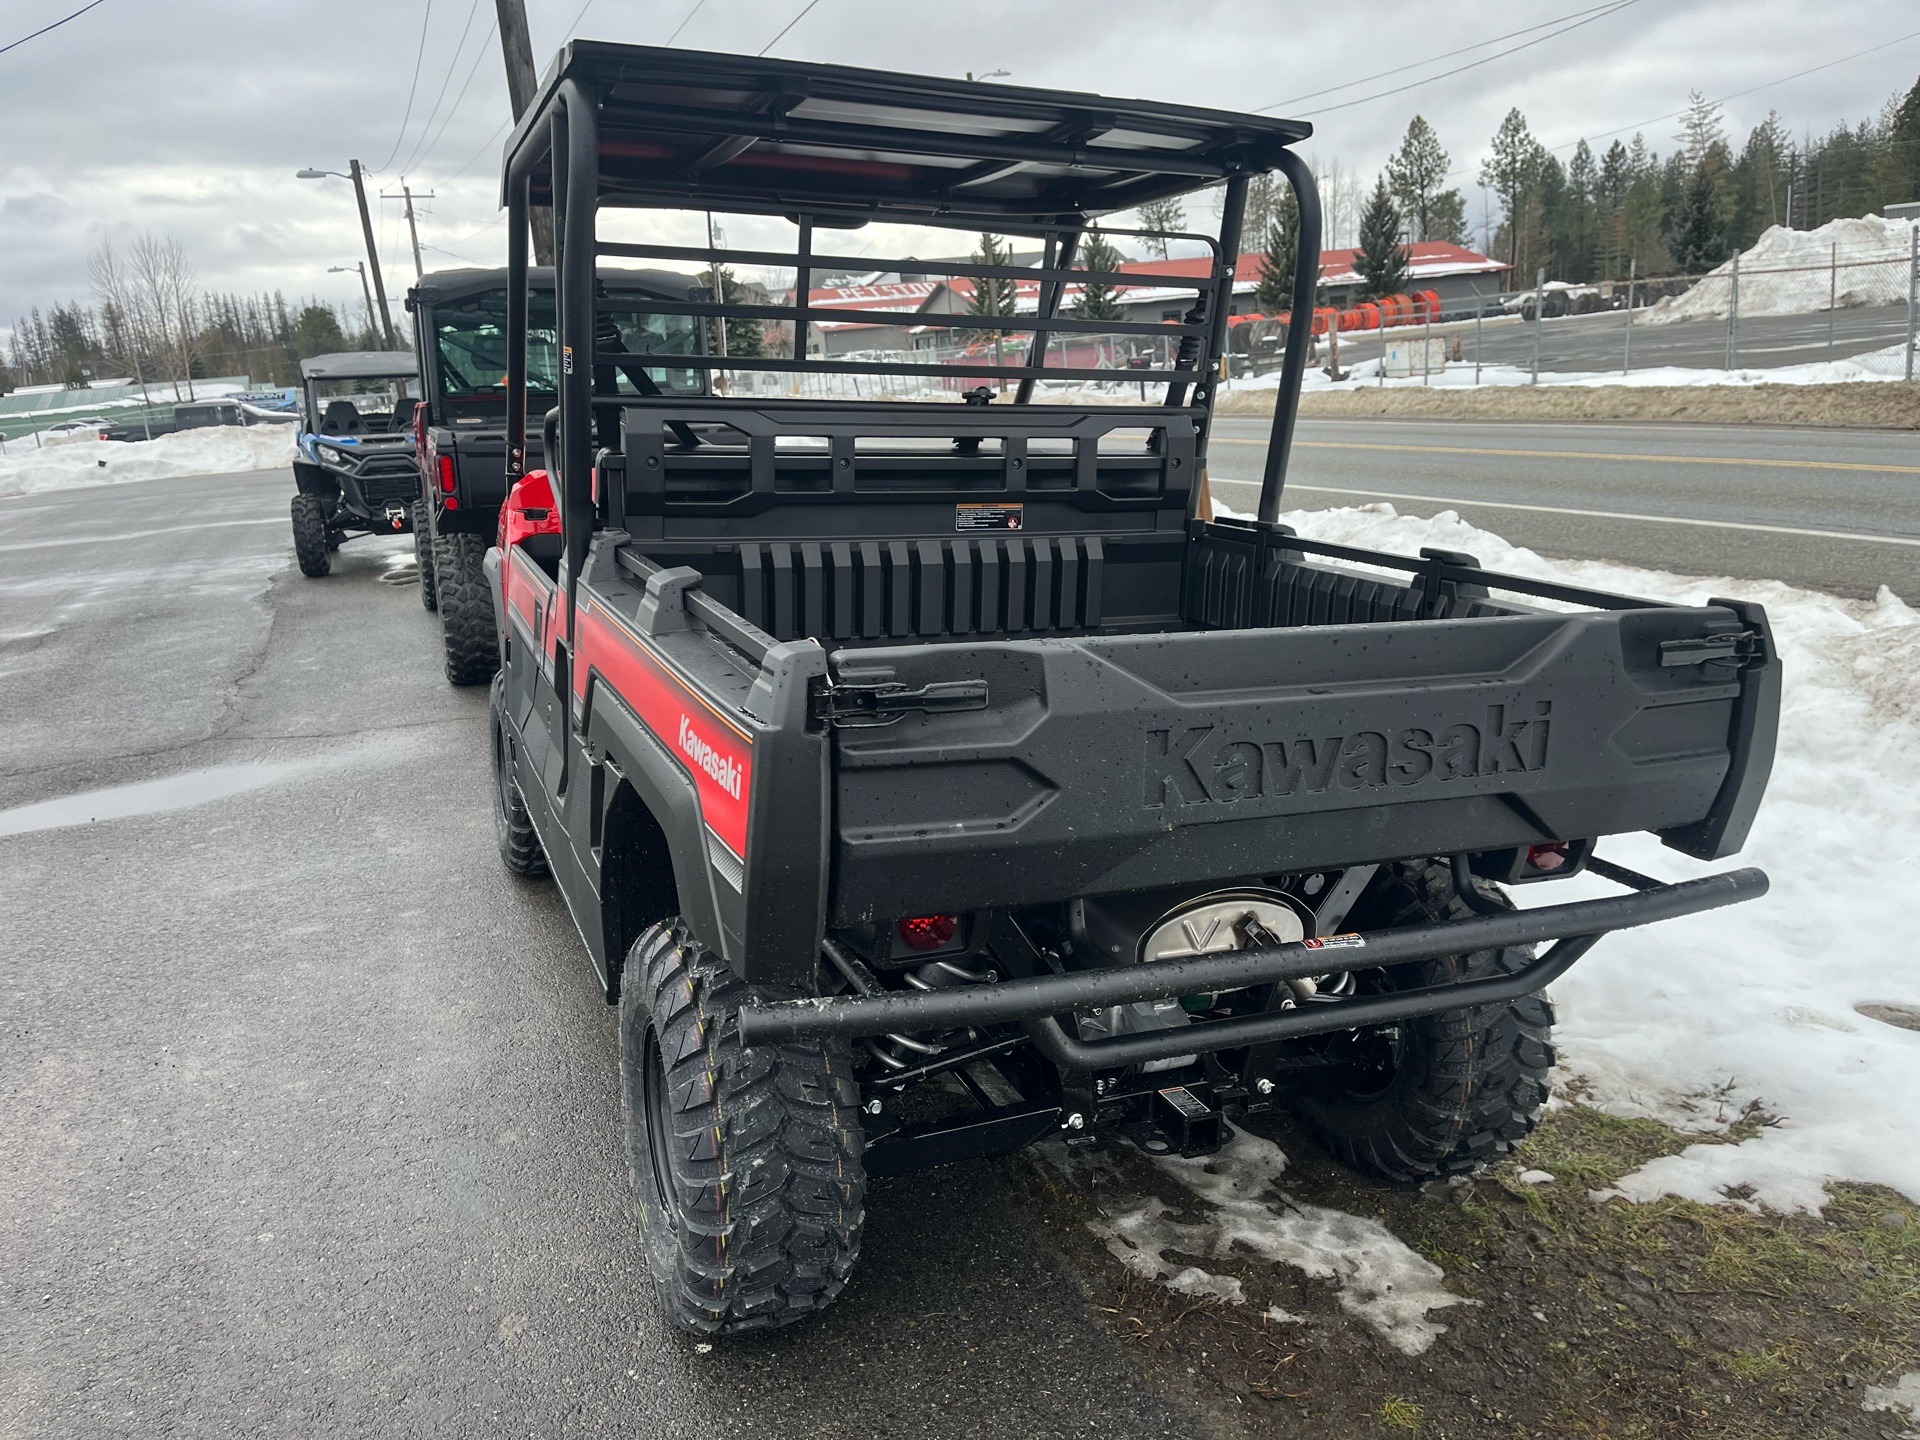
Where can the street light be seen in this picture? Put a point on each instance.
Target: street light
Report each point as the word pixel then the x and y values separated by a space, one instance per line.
pixel 361 268
pixel 991 75
pixel 366 228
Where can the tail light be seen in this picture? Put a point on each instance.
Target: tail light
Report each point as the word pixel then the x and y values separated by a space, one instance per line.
pixel 446 474
pixel 1549 858
pixel 928 932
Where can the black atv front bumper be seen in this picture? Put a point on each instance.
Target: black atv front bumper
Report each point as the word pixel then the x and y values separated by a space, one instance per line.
pixel 1037 1002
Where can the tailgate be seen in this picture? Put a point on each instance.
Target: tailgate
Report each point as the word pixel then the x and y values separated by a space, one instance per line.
pixel 1103 764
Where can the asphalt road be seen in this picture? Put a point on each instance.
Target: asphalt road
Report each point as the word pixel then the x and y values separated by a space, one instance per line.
pixel 1599 342
pixel 308 1120
pixel 1835 510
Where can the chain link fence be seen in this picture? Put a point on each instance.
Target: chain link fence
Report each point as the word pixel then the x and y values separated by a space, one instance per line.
pixel 1852 316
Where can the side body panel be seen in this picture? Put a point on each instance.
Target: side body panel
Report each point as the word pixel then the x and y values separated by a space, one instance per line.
pixel 714 745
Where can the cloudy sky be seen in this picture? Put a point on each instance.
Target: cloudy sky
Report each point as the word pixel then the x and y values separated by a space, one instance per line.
pixel 191 116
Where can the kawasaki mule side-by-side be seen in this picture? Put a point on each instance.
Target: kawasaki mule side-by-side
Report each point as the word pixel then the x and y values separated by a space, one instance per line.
pixel 460 330
pixel 929 778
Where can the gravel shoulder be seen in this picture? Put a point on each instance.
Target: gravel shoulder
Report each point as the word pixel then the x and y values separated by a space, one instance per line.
pixel 1889 405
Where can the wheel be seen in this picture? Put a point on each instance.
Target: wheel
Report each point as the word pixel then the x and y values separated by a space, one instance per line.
pixel 466 608
pixel 520 848
pixel 310 536
pixel 423 552
pixel 1443 1094
pixel 746 1163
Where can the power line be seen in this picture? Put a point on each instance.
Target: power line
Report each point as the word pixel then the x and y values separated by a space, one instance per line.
pixel 15 45
pixel 1736 95
pixel 1431 59
pixel 453 63
pixel 683 24
pixel 465 85
pixel 1475 64
pixel 783 29
pixel 418 55
pixel 1750 90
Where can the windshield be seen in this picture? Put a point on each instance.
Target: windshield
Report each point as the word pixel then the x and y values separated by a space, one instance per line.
pixel 359 404
pixel 471 336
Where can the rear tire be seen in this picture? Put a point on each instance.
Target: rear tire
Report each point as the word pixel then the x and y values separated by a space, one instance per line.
pixel 520 848
pixel 423 553
pixel 466 608
pixel 1443 1094
pixel 746 1163
pixel 310 536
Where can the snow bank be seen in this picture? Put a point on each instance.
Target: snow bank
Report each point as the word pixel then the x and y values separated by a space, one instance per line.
pixel 1381 1281
pixel 1883 364
pixel 1690 1020
pixel 215 450
pixel 1790 272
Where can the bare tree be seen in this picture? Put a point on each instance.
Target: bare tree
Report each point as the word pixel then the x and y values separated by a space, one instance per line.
pixel 126 328
pixel 170 292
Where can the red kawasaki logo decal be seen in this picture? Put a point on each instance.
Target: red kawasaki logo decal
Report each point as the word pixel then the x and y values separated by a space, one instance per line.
pixel 724 770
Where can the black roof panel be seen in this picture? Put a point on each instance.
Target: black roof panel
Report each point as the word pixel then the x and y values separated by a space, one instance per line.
pixel 692 129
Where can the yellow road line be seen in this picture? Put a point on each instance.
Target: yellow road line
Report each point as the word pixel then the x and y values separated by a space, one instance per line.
pixel 1580 455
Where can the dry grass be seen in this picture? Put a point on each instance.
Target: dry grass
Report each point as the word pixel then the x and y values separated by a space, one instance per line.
pixel 1889 405
pixel 1664 1321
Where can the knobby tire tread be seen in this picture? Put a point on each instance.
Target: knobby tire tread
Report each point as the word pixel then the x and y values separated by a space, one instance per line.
pixel 310 546
pixel 1473 1082
pixel 466 608
pixel 766 1149
pixel 423 553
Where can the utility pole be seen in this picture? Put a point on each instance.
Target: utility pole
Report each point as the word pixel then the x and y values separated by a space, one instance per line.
pixel 516 46
pixel 361 267
pixel 413 228
pixel 373 255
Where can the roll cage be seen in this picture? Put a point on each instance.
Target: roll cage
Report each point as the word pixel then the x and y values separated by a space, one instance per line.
pixel 831 147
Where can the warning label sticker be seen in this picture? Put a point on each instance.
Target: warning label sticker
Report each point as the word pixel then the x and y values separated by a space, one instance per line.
pixel 986 517
pixel 1336 942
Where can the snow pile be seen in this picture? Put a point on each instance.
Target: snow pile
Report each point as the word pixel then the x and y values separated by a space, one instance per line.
pixel 1883 364
pixel 1791 272
pixel 213 450
pixel 1382 1282
pixel 1689 1020
pixel 1901 1398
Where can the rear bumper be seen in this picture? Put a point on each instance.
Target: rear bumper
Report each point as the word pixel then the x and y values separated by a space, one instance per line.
pixel 1035 1002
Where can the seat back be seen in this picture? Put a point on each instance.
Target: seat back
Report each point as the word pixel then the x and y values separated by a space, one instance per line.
pixel 876 520
pixel 341 418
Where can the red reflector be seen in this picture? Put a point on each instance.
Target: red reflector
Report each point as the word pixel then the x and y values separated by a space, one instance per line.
pixel 928 932
pixel 1547 857
pixel 453 502
pixel 446 474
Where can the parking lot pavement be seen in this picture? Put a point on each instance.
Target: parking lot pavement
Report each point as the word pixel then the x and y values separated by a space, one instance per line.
pixel 308 1122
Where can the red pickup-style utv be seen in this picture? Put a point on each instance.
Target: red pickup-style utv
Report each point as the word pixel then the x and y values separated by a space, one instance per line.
pixel 928 778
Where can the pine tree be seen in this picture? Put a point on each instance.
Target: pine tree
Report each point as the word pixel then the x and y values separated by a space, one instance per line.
pixel 1415 173
pixel 1274 293
pixel 1381 260
pixel 1096 300
pixel 1447 217
pixel 1512 172
pixel 745 339
pixel 1163 217
pixel 1700 234
pixel 992 296
pixel 1899 177
pixel 1700 128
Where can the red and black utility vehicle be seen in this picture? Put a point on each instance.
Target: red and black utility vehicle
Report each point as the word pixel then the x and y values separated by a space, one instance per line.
pixel 460 441
pixel 927 779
